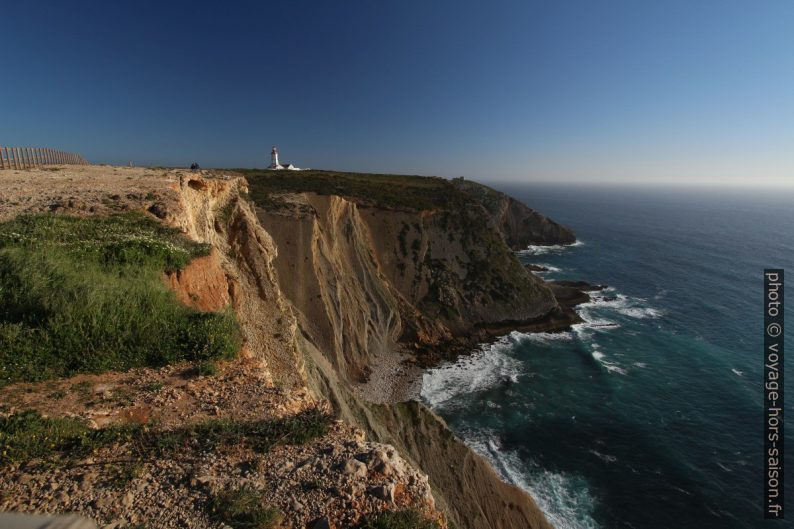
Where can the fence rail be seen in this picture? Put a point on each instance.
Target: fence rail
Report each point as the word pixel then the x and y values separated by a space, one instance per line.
pixel 25 157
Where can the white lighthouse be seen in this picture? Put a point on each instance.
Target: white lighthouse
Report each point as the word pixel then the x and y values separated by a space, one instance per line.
pixel 274 165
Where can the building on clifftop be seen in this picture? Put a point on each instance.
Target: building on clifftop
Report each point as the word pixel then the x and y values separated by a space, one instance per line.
pixel 274 165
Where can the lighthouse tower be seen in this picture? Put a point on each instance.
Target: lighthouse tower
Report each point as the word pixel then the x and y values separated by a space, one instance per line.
pixel 274 165
pixel 274 159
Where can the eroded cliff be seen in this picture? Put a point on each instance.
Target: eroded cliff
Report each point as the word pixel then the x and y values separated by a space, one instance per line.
pixel 369 277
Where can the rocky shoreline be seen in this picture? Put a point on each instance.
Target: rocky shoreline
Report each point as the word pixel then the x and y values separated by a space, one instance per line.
pixel 398 377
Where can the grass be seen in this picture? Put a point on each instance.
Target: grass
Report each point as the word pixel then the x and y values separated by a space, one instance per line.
pixel 406 519
pixel 26 436
pixel 86 295
pixel 244 508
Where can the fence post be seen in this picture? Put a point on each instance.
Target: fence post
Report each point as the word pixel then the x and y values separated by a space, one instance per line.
pixel 18 158
pixel 30 158
pixel 2 160
pixel 49 156
pixel 38 156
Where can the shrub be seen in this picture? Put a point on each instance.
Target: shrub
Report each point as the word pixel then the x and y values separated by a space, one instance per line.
pixel 207 368
pixel 86 295
pixel 244 508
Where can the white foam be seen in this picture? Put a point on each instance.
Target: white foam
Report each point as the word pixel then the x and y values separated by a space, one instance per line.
pixel 537 249
pixel 565 499
pixel 479 371
pixel 612 367
pixel 541 337
pixel 549 269
pixel 640 312
pixel 739 373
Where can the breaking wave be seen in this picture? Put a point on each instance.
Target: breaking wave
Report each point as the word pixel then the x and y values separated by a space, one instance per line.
pixel 554 248
pixel 481 370
pixel 612 367
pixel 565 499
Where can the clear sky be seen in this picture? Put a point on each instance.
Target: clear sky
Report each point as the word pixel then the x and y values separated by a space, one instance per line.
pixel 554 90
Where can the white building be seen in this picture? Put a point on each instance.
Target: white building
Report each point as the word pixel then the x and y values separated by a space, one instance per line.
pixel 274 165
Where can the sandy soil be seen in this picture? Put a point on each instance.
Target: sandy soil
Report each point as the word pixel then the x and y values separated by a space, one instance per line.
pixel 86 189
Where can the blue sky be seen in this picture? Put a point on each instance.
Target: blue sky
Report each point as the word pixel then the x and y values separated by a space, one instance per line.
pixel 599 91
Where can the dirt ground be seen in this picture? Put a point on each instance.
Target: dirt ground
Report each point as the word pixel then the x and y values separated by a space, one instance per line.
pixel 87 189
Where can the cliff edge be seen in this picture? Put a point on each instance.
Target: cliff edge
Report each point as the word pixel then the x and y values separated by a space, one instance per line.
pixel 340 285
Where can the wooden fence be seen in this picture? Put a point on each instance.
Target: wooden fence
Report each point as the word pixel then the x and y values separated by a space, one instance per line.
pixel 25 157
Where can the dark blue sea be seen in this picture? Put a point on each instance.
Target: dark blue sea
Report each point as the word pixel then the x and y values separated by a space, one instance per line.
pixel 649 414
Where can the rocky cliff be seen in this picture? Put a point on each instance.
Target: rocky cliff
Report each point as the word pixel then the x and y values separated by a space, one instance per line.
pixel 370 277
pixel 331 276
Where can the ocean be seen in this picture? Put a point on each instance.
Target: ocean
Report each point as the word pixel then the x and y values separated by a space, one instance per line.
pixel 649 414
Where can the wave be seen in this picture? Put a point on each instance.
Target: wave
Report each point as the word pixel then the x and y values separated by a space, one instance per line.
pixel 612 367
pixel 640 312
pixel 565 499
pixel 538 249
pixel 636 308
pixel 738 372
pixel 540 337
pixel 491 365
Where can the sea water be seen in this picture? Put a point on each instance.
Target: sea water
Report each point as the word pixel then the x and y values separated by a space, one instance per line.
pixel 648 414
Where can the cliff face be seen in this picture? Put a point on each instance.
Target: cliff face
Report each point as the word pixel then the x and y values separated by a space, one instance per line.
pixel 519 225
pixel 364 277
pixel 367 279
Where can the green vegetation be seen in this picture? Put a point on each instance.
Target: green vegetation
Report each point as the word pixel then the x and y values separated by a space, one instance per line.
pixel 244 508
pixel 397 520
pixel 27 435
pixel 86 295
pixel 386 190
pixel 154 387
pixel 207 368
